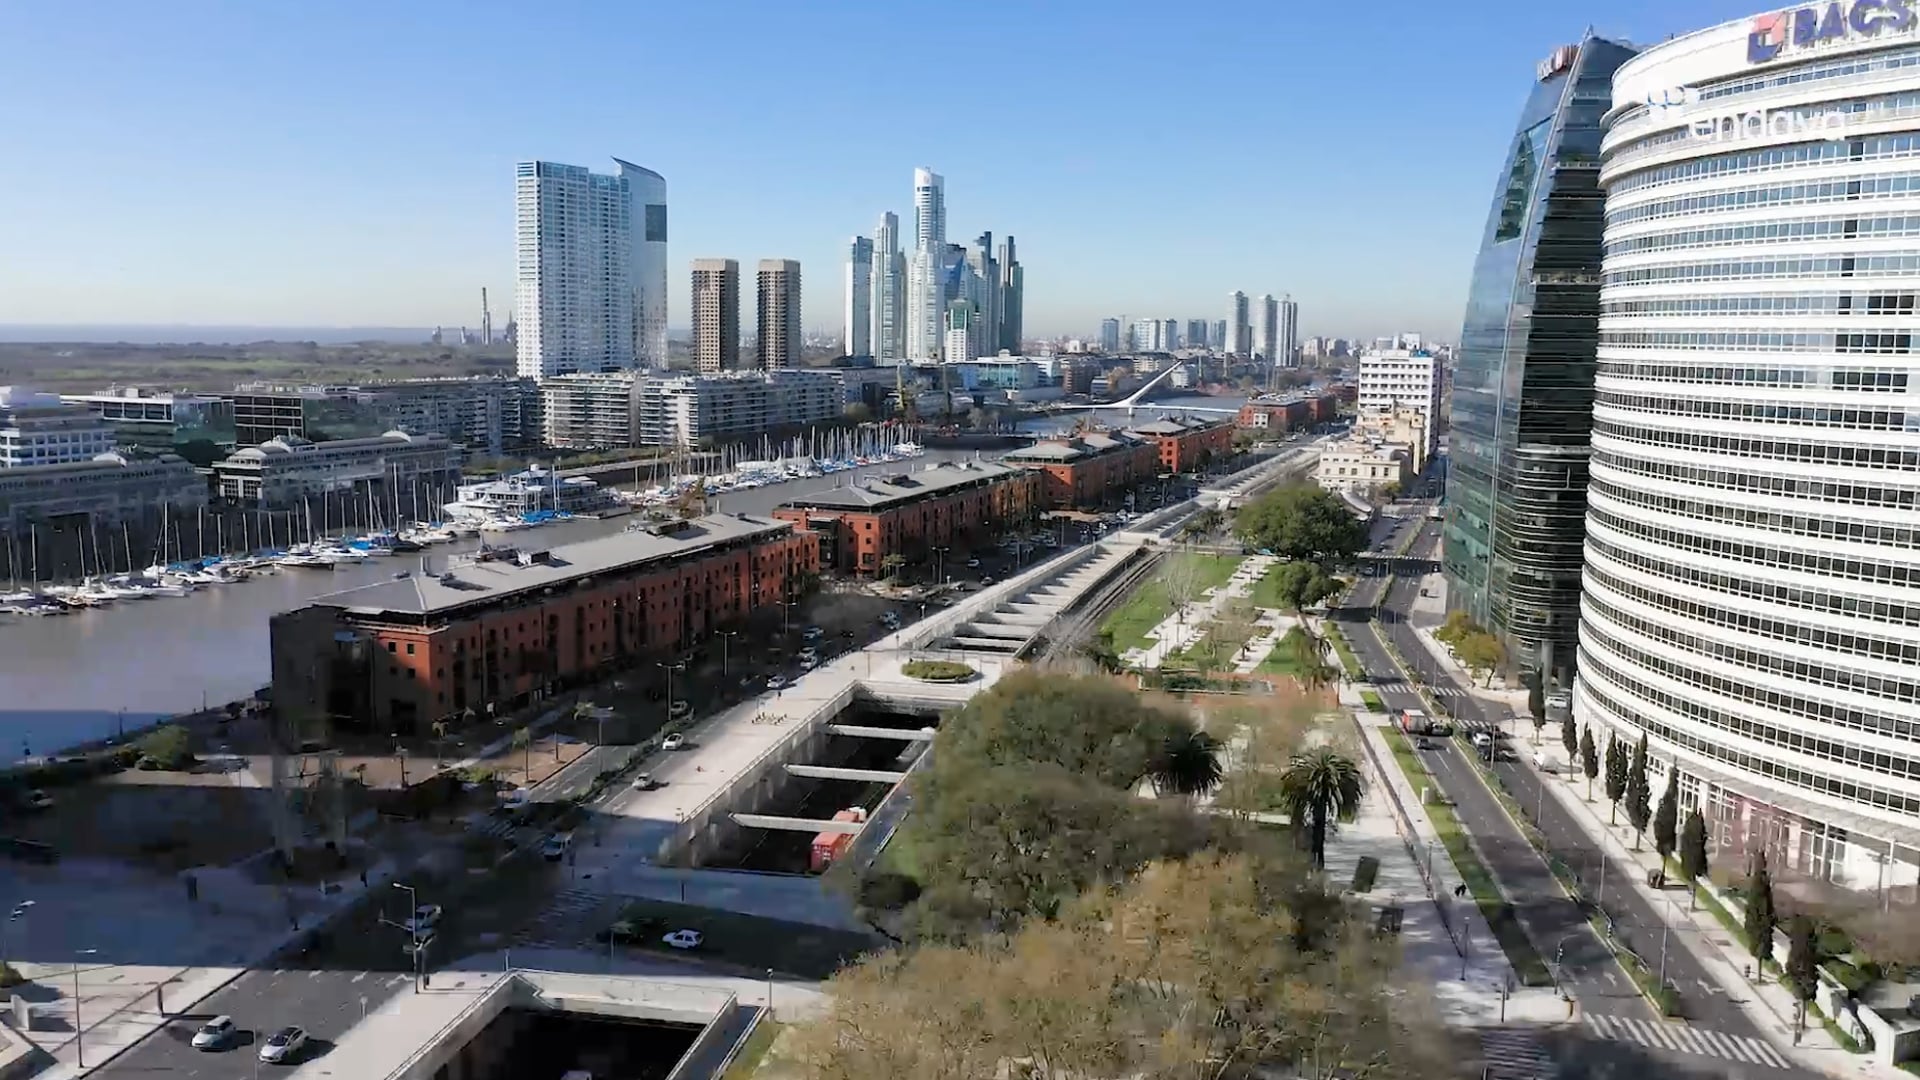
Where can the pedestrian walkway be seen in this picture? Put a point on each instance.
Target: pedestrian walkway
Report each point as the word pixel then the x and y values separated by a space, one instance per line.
pixel 1188 623
pixel 1274 625
pixel 1686 1039
pixel 1516 1054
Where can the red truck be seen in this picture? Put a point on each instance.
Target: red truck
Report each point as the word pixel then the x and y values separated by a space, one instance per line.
pixel 1415 722
pixel 828 846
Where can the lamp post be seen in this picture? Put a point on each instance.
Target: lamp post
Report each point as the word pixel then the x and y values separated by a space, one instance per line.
pixel 413 928
pixel 726 640
pixel 769 991
pixel 79 1032
pixel 670 669
pixel 19 912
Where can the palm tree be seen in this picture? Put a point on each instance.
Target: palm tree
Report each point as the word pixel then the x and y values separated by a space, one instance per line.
pixel 439 740
pixel 1188 764
pixel 1319 787
pixel 1309 656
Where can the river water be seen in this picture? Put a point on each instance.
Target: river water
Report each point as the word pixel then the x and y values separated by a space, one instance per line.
pixel 92 673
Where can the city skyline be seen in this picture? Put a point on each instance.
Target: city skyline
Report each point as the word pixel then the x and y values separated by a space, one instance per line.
pixel 186 245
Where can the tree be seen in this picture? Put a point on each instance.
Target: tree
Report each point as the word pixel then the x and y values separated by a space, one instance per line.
pixel 1537 699
pixel 1319 787
pixel 169 746
pixel 1457 627
pixel 1802 958
pixel 1264 735
pixel 1301 585
pixel 1303 522
pixel 1391 490
pixel 1188 764
pixel 1639 796
pixel 439 740
pixel 1693 852
pixel 1482 654
pixel 1307 652
pixel 1086 725
pixel 523 742
pixel 1616 780
pixel 1762 916
pixel 892 564
pixel 1666 819
pixel 1589 759
pixel 1570 738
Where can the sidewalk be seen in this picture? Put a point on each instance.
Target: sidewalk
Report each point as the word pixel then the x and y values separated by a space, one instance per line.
pixel 1768 1005
pixel 1188 624
pixel 1465 993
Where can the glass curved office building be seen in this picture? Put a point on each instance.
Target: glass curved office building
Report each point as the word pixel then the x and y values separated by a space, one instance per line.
pixel 1751 598
pixel 1523 386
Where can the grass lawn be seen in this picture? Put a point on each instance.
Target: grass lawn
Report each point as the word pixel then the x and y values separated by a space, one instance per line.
pixel 751 941
pixel 1374 704
pixel 1525 959
pixel 1345 652
pixel 1280 661
pixel 902 854
pixel 1149 605
pixel 748 1061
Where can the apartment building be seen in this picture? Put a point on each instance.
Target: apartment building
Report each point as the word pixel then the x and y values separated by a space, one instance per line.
pixel 40 429
pixel 160 422
pixel 591 411
pixel 716 315
pixel 397 655
pixel 108 488
pixel 778 342
pixel 909 515
pixel 1088 470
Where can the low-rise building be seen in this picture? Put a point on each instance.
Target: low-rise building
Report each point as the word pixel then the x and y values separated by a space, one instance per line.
pixel 488 634
pixel 1279 414
pixel 107 489
pixel 909 515
pixel 1089 469
pixel 1401 424
pixel 1187 445
pixel 489 417
pixel 591 410
pixel 160 422
pixel 289 470
pixel 630 408
pixel 1364 467
pixel 40 429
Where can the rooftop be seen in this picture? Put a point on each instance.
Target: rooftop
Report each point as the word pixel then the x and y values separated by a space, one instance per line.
pixel 1174 426
pixel 1075 448
pixel 476 582
pixel 875 492
pixel 294 444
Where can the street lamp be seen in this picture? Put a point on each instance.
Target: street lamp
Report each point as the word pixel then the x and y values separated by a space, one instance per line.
pixel 726 640
pixel 413 928
pixel 19 911
pixel 677 665
pixel 79 1032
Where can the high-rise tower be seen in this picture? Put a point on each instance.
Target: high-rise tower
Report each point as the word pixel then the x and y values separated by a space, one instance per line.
pixel 778 342
pixel 1013 287
pixel 856 336
pixel 889 292
pixel 647 276
pixel 716 315
pixel 573 281
pixel 926 278
pixel 1240 332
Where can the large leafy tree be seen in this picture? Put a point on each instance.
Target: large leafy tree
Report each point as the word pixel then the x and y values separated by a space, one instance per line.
pixel 1482 654
pixel 1091 726
pixel 1303 522
pixel 1320 787
pixel 1301 585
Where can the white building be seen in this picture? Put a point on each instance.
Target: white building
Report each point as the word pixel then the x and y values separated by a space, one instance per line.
pixel 1288 349
pixel 590 410
pixel 889 292
pixel 1751 593
pixel 288 469
pixel 1400 378
pixel 620 409
pixel 856 337
pixel 926 298
pixel 574 277
pixel 40 429
pixel 1363 466
pixel 648 192
pixel 1266 329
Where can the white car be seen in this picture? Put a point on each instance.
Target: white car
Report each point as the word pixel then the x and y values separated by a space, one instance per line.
pixel 556 847
pixel 215 1033
pixel 776 682
pixel 424 919
pixel 684 939
pixel 812 633
pixel 283 1045
pixel 973 564
pixel 675 741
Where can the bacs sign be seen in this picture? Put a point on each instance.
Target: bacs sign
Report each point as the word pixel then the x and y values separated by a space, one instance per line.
pixel 1784 33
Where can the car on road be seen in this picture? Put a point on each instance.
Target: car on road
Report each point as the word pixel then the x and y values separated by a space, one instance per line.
pixel 986 579
pixel 776 682
pixel 283 1046
pixel 812 633
pixel 973 564
pixel 556 847
pixel 675 741
pixel 890 620
pixel 216 1034
pixel 36 800
pixel 678 709
pixel 809 656
pixel 684 939
pixel 647 782
pixel 424 919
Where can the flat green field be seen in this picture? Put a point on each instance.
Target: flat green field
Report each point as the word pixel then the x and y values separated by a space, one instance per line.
pixel 1145 609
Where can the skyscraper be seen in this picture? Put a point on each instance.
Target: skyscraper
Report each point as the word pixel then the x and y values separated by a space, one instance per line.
pixel 889 292
pixel 983 288
pixel 716 315
pixel 778 342
pixel 573 270
pixel 962 319
pixel 648 191
pixel 1196 334
pixel 1217 338
pixel 1241 341
pixel 1110 335
pixel 857 337
pixel 926 271
pixel 1289 343
pixel 1012 289
pixel 1751 597
pixel 1266 329
pixel 1523 387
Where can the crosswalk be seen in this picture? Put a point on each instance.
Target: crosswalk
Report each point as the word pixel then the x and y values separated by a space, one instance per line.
pixel 497 827
pixel 568 920
pixel 1687 1040
pixel 1516 1054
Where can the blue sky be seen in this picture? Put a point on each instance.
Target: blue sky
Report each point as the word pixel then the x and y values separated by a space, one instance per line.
pixel 350 163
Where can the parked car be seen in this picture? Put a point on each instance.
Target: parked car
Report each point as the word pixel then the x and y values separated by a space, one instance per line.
pixel 283 1046
pixel 36 800
pixel 684 939
pixel 556 847
pixel 776 682
pixel 812 633
pixel 216 1034
pixel 973 564
pixel 678 709
pixel 646 782
pixel 675 741
pixel 424 919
